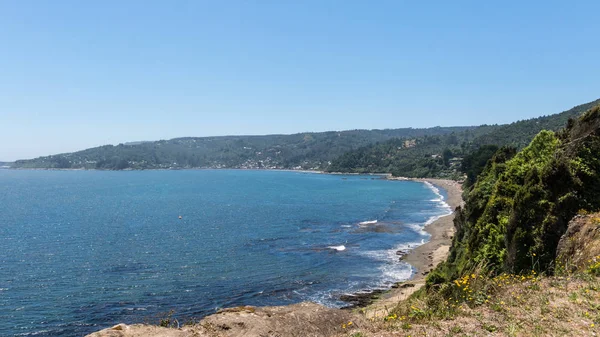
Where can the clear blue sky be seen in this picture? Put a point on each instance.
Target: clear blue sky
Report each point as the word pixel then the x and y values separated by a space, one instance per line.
pixel 76 74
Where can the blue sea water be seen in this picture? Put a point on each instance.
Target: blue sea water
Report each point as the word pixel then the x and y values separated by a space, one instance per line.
pixel 84 250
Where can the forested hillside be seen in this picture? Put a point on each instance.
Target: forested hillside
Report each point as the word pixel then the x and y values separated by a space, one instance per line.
pixel 432 152
pixel 521 203
pixel 442 155
pixel 519 134
pixel 429 156
pixel 298 151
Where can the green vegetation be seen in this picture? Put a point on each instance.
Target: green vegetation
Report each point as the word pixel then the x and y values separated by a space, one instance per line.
pixel 429 156
pixel 521 203
pixel 298 151
pixel 519 134
pixel 441 155
pixel 474 163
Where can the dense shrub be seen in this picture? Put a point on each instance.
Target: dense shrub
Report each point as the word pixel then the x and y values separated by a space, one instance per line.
pixel 520 205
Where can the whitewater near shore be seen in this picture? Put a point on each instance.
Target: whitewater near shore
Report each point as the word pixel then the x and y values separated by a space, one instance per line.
pixel 309 319
pixel 426 257
pixel 441 230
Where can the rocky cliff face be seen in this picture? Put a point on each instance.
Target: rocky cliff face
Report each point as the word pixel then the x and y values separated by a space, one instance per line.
pixel 580 245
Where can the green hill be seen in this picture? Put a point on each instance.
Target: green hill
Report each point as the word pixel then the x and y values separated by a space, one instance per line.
pixel 311 150
pixel 442 155
pixel 519 134
pixel 429 156
pixel 432 152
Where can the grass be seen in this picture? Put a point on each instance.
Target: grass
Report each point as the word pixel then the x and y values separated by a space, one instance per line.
pixel 167 320
pixel 505 305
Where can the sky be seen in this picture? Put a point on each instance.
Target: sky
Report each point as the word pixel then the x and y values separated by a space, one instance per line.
pixel 78 74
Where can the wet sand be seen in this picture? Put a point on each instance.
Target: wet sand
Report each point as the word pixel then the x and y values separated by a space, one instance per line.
pixel 425 257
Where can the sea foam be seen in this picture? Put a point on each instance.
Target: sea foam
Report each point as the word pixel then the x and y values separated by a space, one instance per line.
pixel 441 203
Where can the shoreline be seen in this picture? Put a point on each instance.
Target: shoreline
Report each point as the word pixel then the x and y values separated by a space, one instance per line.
pixel 420 258
pixel 425 257
pixel 246 320
pixel 441 230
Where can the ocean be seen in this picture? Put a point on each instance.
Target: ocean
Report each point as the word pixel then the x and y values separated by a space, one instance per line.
pixel 84 250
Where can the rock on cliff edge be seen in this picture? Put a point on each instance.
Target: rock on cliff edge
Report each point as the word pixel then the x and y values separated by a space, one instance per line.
pixel 581 242
pixel 302 319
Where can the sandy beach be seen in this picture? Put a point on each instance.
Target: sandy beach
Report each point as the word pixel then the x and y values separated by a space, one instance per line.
pixel 428 255
pixel 425 257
